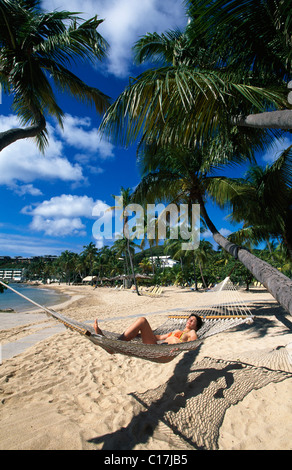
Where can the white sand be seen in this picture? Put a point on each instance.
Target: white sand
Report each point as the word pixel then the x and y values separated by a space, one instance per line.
pixel 65 393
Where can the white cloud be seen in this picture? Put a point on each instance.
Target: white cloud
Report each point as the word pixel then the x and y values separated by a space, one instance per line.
pixel 125 21
pixel 65 205
pixel 22 162
pixel 77 132
pixel 58 227
pixel 62 215
pixel 26 189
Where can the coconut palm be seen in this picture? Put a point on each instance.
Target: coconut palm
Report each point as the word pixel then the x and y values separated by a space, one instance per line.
pixel 120 250
pixel 146 265
pixel 194 257
pixel 66 263
pixel 180 104
pixel 125 201
pixel 89 254
pixel 185 177
pixel 250 38
pixel 36 51
pixel 283 259
pixel 191 92
pixel 262 201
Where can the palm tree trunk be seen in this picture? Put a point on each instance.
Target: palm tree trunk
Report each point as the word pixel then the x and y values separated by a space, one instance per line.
pixel 151 254
pixel 195 276
pixel 279 286
pixel 202 276
pixel 132 267
pixel 127 271
pixel 12 135
pixel 271 120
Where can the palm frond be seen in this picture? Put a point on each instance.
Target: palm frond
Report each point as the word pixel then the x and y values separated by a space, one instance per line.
pixel 252 36
pixel 80 41
pixel 162 186
pixel 159 102
pixel 36 46
pixel 156 47
pixel 224 190
pixel 255 235
pixel 68 82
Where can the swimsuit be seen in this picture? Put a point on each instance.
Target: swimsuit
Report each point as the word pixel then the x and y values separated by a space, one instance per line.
pixel 178 334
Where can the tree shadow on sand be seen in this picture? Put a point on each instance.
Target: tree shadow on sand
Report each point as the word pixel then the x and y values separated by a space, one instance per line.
pixel 267 317
pixel 188 410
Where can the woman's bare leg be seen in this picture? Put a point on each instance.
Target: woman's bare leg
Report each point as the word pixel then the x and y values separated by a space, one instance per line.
pixel 99 332
pixel 97 329
pixel 142 326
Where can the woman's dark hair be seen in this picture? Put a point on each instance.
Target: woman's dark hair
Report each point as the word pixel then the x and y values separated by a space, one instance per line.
pixel 199 320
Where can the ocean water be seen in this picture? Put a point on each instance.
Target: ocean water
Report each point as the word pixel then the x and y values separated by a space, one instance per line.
pixel 41 295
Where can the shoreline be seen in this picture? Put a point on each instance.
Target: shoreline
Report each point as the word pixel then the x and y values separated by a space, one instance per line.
pixel 58 289
pixel 65 393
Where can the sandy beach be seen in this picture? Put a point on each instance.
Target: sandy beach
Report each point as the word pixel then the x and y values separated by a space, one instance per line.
pixel 234 392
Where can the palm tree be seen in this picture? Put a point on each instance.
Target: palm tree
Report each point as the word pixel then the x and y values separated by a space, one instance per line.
pixel 263 201
pixel 127 199
pixel 282 258
pixel 152 220
pixel 37 48
pixel 183 177
pixel 181 104
pixel 146 265
pixel 66 263
pixel 79 267
pixel 106 262
pixel 201 255
pixel 89 253
pixel 192 92
pixel 194 257
pixel 120 250
pixel 249 37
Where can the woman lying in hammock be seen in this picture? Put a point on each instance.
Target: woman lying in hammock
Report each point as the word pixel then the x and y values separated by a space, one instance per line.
pixel 143 328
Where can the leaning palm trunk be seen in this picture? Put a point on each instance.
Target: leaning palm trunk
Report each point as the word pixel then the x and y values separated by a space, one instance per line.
pixel 269 120
pixel 279 286
pixel 12 135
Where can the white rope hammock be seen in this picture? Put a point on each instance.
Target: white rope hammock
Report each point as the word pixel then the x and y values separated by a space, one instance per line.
pixel 221 308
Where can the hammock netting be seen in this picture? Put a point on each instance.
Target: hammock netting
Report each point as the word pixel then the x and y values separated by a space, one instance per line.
pixel 220 308
pixel 189 413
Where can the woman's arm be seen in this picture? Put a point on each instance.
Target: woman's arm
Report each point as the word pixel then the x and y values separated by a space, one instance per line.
pixel 161 337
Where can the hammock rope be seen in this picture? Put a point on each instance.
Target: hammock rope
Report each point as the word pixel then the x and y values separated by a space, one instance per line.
pixel 222 309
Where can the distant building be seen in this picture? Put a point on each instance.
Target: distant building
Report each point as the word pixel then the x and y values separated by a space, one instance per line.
pixel 163 261
pixel 11 274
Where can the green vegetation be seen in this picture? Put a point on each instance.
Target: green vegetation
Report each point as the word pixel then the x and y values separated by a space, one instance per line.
pixel 215 96
pixel 202 268
pixel 37 50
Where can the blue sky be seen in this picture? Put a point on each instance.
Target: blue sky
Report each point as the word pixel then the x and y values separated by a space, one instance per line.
pixel 47 200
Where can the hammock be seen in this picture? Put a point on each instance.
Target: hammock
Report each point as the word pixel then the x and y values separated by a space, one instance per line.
pixel 221 310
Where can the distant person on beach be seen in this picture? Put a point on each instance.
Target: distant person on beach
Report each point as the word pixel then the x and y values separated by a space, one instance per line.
pixel 142 327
